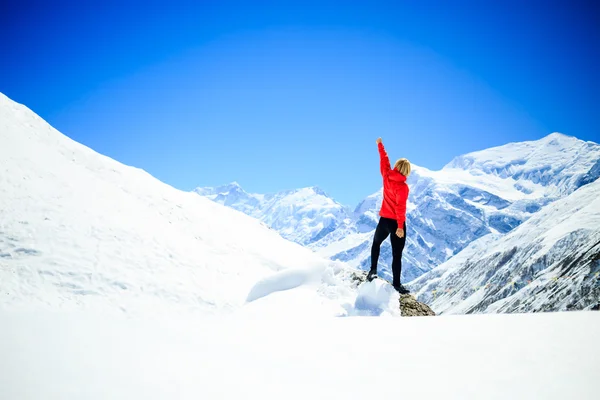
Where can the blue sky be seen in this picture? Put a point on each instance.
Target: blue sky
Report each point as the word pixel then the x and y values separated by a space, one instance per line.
pixel 284 94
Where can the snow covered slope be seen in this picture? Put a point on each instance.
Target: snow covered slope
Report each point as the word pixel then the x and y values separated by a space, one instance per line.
pixel 549 263
pixel 78 229
pixel 302 215
pixel 551 166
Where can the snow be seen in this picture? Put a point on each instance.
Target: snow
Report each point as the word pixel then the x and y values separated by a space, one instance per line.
pixel 346 243
pixel 377 298
pixel 98 356
pixel 502 187
pixel 545 155
pixel 284 280
pixel 300 215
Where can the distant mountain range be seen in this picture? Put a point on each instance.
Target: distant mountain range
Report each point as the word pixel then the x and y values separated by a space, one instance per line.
pixel 491 191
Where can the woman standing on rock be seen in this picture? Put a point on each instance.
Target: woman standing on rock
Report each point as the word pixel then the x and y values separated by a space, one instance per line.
pixel 393 215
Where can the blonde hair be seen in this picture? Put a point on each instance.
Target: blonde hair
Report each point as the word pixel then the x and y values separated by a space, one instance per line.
pixel 403 166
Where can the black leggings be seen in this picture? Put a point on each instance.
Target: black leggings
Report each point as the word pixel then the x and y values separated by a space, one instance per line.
pixel 387 227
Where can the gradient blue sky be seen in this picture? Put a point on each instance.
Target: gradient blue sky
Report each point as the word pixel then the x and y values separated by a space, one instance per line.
pixel 286 94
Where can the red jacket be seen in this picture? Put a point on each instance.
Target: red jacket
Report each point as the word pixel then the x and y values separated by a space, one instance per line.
pixel 395 190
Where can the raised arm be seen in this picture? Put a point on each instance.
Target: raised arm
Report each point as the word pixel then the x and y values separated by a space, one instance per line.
pixel 384 161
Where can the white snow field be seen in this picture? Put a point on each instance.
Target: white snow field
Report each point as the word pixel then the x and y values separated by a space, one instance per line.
pixel 114 285
pixel 89 356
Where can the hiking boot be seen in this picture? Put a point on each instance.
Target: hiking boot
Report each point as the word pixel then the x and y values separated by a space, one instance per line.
pixel 401 289
pixel 371 275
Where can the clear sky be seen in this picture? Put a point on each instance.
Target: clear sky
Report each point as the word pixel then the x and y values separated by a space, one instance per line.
pixel 285 94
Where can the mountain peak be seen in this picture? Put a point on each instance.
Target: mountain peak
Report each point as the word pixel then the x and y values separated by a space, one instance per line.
pixel 318 191
pixel 556 161
pixel 558 138
pixel 306 191
pixel 554 135
pixel 232 185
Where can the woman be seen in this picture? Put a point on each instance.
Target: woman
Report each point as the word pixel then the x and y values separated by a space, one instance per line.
pixel 393 215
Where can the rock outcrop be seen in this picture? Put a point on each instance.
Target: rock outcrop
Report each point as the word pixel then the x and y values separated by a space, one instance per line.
pixel 410 307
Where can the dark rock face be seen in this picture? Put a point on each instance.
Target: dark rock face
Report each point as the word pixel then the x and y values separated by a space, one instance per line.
pixel 410 307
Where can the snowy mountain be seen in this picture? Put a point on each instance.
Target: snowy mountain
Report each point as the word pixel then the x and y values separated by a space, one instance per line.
pixel 78 229
pixel 555 165
pixel 116 285
pixel 489 191
pixel 549 263
pixel 303 215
